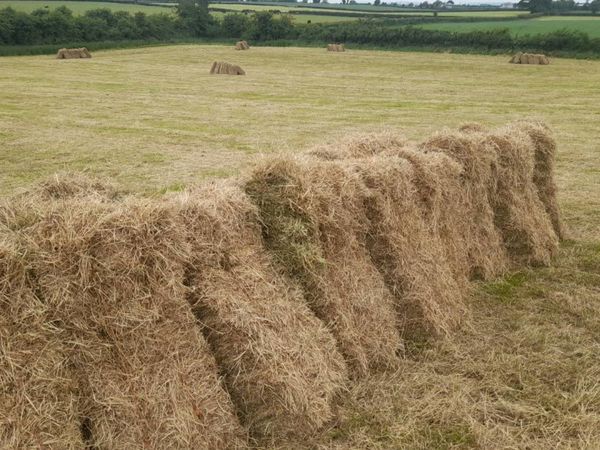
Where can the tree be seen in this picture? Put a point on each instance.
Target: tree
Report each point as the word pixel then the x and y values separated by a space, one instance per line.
pixel 194 16
pixel 377 2
pixel 595 6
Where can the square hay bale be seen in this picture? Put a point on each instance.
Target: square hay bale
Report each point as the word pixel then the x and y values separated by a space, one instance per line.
pixel 242 45
pixel 487 256
pixel 314 224
pixel 225 68
pixel 280 363
pixel 520 215
pixel 543 175
pixel 113 274
pixel 38 393
pixel 73 53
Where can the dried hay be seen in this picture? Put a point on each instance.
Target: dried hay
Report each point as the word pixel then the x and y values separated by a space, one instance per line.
pixel 314 224
pixel 543 175
pixel 280 363
pixel 112 273
pixel 529 58
pixel 38 396
pixel 414 233
pixel 224 68
pixel 520 215
pixel 242 45
pixel 479 235
pixel 73 53
pixel 336 48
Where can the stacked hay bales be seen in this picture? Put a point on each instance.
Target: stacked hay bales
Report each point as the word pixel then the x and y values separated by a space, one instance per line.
pixel 225 68
pixel 543 176
pixel 336 48
pixel 73 53
pixel 478 234
pixel 529 58
pixel 111 272
pixel 409 227
pixel 242 45
pixel 314 224
pixel 38 393
pixel 280 363
pixel 519 214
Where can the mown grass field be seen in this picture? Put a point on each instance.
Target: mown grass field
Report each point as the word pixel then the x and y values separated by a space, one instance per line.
pixel 79 7
pixel 524 374
pixel 589 25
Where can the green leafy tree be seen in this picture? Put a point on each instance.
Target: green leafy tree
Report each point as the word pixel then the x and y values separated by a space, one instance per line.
pixel 194 16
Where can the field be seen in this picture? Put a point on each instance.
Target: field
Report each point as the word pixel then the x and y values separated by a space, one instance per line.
pixel 525 374
pixel 79 7
pixel 589 25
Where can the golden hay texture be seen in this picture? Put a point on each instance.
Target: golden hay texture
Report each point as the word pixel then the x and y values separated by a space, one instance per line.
pixel 314 223
pixel 529 58
pixel 479 235
pixel 336 48
pixel 280 363
pixel 112 275
pixel 518 211
pixel 225 68
pixel 412 234
pixel 38 395
pixel 242 45
pixel 543 176
pixel 73 53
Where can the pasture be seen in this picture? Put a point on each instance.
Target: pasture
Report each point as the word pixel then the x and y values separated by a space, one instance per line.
pixel 524 374
pixel 541 25
pixel 80 7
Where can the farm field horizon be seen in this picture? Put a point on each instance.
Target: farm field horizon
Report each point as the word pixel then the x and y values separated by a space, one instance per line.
pixel 523 373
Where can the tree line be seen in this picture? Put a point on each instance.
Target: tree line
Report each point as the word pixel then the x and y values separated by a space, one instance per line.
pixel 61 26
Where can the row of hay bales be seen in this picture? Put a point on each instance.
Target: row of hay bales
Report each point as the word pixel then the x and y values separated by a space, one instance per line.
pixel 529 58
pixel 73 53
pixel 238 311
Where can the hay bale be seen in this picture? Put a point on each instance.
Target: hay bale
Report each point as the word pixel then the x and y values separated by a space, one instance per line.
pixel 73 53
pixel 529 58
pixel 336 48
pixel 520 215
pixel 483 241
pixel 38 394
pixel 242 45
pixel 314 224
pixel 225 68
pixel 112 273
pixel 280 363
pixel 543 176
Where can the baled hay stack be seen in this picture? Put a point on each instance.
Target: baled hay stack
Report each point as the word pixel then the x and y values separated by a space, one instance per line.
pixel 529 58
pixel 437 179
pixel 483 241
pixel 314 223
pixel 225 68
pixel 113 274
pixel 543 175
pixel 280 363
pixel 38 395
pixel 73 53
pixel 407 251
pixel 335 48
pixel 242 45
pixel 519 213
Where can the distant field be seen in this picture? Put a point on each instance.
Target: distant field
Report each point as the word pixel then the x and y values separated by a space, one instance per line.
pixel 590 25
pixel 80 7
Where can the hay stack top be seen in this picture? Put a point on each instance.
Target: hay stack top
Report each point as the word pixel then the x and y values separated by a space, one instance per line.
pixel 529 58
pixel 242 45
pixel 224 68
pixel 73 53
pixel 335 48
